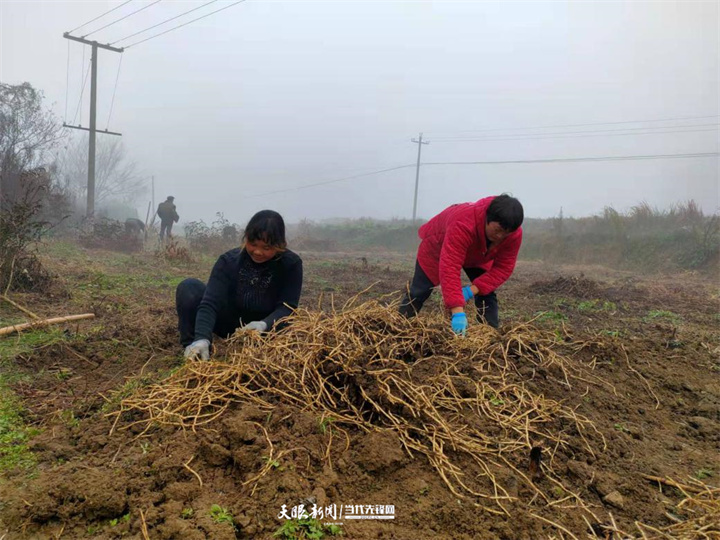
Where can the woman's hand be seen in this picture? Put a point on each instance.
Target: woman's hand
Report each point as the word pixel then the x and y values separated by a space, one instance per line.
pixel 459 323
pixel 198 349
pixel 258 326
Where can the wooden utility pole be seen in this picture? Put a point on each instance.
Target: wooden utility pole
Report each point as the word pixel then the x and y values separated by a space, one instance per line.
pixel 419 142
pixel 93 116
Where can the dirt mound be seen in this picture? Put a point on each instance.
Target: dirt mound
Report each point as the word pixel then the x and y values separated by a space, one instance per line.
pixel 575 286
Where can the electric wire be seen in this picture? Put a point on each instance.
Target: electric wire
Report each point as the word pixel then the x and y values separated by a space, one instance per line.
pixel 504 162
pixel 579 134
pixel 122 18
pixel 161 23
pixel 184 24
pixel 676 119
pixel 343 179
pixel 587 158
pixel 84 79
pixel 112 103
pixel 82 91
pixel 67 80
pixel 99 16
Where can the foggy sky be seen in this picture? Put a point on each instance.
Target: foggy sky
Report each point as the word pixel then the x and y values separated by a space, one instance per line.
pixel 270 95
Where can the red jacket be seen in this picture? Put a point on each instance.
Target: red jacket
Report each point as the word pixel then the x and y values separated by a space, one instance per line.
pixel 455 239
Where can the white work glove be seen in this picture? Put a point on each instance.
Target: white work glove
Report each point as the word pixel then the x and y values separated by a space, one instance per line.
pixel 198 349
pixel 258 326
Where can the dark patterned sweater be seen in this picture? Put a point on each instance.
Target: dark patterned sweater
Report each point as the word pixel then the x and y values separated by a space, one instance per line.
pixel 241 289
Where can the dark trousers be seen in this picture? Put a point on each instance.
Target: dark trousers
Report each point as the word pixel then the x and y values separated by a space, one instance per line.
pixel 188 295
pixel 421 288
pixel 165 228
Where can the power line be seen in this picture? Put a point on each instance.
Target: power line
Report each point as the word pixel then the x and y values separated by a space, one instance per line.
pixel 122 18
pixel 306 186
pixel 67 81
pixel 599 133
pixel 184 24
pixel 112 103
pixel 505 162
pixel 164 22
pixel 567 160
pixel 82 91
pixel 83 79
pixel 586 124
pixel 100 16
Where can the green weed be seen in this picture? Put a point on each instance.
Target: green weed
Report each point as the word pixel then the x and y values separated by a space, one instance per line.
pixel 621 427
pixel 187 513
pixel 597 305
pixel 308 528
pixel 701 474
pixel 124 519
pixel 274 464
pixel 656 314
pixel 325 425
pixel 495 400
pixel 221 515
pixel 68 416
pixel 14 435
pixel 550 316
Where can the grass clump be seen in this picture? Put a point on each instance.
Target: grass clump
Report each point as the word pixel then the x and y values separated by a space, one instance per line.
pixel 306 528
pixel 221 515
pixel 14 434
pixel 659 314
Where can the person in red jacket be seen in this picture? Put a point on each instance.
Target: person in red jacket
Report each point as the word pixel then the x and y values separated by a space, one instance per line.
pixel 483 239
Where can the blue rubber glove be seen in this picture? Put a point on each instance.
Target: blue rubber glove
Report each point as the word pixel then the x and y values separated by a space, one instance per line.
pixel 459 323
pixel 467 293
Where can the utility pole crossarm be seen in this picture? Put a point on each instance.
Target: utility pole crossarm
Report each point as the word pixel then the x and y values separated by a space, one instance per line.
pixel 103 131
pixel 67 35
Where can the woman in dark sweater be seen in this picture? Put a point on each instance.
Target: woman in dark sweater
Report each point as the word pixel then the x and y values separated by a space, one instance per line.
pixel 250 288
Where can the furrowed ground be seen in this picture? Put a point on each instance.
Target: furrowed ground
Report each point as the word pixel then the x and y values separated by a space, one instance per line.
pixel 614 375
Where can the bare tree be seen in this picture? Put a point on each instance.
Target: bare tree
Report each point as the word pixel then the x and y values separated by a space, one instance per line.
pixel 116 177
pixel 28 132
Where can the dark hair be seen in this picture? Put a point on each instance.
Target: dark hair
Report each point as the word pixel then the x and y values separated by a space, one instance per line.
pixel 507 211
pixel 266 226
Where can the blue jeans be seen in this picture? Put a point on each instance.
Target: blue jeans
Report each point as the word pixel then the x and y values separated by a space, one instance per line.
pixel 421 287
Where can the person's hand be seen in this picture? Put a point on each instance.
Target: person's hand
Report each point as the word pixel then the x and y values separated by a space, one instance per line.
pixel 467 293
pixel 459 323
pixel 198 349
pixel 258 326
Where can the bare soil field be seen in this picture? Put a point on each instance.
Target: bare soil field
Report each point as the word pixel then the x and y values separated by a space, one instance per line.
pixel 613 378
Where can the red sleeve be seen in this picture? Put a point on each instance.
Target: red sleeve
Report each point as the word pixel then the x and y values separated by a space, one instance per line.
pixel 502 268
pixel 458 238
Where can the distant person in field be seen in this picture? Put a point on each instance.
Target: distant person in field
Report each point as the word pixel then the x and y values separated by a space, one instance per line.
pixel 167 212
pixel 251 288
pixel 482 239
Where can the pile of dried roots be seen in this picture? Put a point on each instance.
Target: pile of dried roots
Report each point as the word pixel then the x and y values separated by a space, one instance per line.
pixel 460 402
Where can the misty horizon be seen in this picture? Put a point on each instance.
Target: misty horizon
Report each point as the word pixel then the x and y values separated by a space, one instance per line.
pixel 237 112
